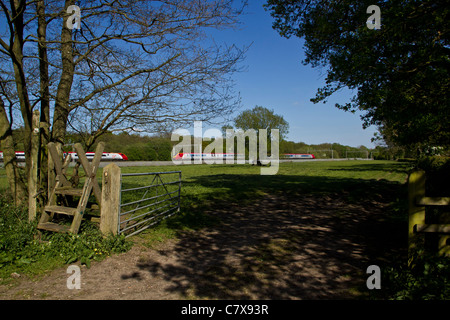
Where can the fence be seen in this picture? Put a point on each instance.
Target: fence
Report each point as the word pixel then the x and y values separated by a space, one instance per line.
pixel 422 224
pixel 135 201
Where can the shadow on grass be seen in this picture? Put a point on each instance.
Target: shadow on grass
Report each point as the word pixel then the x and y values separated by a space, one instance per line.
pixel 386 167
pixel 283 237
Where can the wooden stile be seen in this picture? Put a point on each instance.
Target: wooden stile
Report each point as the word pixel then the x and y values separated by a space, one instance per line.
pixel 62 186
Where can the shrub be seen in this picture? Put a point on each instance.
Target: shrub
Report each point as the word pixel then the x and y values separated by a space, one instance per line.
pixel 22 251
pixel 426 278
pixel 16 235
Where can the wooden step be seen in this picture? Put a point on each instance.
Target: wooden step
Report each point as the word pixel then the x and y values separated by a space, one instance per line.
pixel 433 201
pixel 50 226
pixel 62 210
pixel 432 228
pixel 69 191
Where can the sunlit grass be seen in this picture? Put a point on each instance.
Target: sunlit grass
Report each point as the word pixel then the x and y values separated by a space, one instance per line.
pixel 204 186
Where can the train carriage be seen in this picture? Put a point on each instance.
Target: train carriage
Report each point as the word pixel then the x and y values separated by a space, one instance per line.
pixel 106 156
pixel 298 156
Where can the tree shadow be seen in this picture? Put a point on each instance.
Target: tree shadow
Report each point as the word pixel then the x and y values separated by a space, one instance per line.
pixel 400 167
pixel 296 237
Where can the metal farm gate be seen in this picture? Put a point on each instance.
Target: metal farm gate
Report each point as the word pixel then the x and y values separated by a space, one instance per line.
pixel 146 199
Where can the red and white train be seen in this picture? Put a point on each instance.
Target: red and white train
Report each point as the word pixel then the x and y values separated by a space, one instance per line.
pixel 106 156
pixel 117 156
pixel 204 156
pixel 193 156
pixel 20 156
pixel 298 156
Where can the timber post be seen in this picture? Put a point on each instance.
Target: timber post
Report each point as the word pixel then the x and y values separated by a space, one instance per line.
pixel 416 190
pixel 109 214
pixel 418 224
pixel 34 170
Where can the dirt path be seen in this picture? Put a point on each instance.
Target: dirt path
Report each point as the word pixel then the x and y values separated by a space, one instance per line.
pixel 305 247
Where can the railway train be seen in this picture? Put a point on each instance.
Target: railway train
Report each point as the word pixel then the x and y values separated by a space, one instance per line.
pixel 106 156
pixel 298 156
pixel 204 156
pixel 117 156
pixel 20 156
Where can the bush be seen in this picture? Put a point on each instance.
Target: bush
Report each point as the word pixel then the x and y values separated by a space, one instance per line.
pixel 426 278
pixel 88 245
pixel 437 169
pixel 16 235
pixel 21 251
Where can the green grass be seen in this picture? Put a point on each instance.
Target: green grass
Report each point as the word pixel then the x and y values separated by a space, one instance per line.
pixel 205 186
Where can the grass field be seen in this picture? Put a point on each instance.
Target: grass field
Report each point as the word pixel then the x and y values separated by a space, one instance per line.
pixel 308 232
pixel 361 203
pixel 388 170
pixel 204 186
pixel 343 214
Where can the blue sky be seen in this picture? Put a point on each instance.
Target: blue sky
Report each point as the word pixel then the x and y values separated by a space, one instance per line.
pixel 276 79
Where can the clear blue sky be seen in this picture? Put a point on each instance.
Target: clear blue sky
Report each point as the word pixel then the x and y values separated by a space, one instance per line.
pixel 276 79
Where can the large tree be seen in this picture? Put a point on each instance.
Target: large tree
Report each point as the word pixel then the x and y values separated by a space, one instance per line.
pixel 261 118
pixel 126 64
pixel 400 72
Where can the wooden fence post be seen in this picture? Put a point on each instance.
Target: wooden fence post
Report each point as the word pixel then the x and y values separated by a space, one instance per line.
pixel 34 170
pixel 416 190
pixel 109 212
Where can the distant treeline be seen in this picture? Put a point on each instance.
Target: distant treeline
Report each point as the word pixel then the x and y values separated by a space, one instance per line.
pixel 159 148
pixel 325 150
pixel 137 147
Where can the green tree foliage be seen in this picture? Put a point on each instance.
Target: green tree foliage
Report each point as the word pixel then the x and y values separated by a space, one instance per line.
pixel 327 150
pixel 134 146
pixel 400 73
pixel 262 118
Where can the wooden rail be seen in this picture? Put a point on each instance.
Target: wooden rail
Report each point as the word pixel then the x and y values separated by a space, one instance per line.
pixel 418 202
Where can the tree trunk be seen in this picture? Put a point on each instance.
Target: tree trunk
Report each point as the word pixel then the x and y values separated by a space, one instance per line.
pixel 17 58
pixel 13 174
pixel 62 108
pixel 45 98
